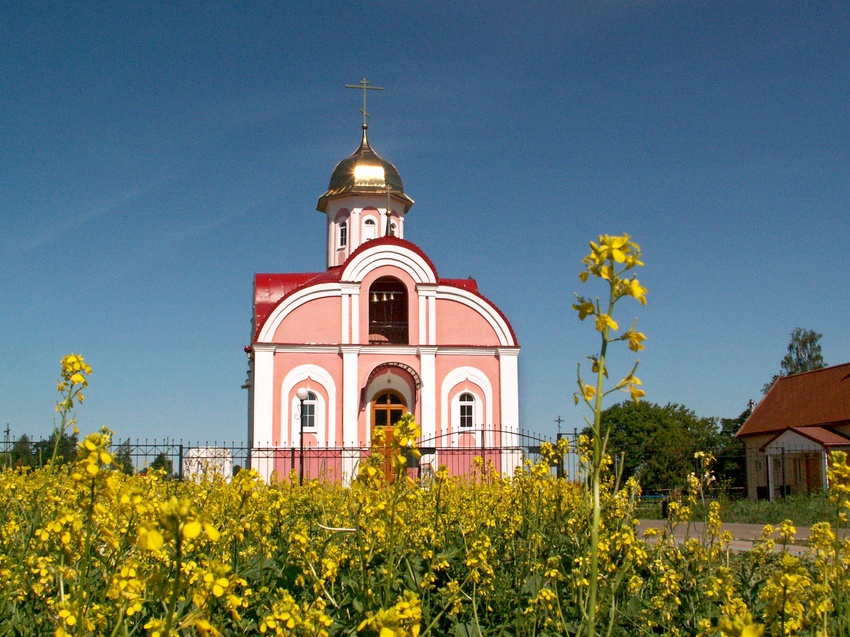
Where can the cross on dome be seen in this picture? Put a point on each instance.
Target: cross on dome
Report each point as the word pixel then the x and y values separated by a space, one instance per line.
pixel 364 86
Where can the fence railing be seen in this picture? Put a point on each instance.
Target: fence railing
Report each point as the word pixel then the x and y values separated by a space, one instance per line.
pixel 184 459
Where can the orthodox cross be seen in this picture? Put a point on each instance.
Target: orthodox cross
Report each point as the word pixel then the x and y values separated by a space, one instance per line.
pixel 559 420
pixel 364 86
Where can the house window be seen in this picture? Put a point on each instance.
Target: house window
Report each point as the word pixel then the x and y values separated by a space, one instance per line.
pixel 799 471
pixel 369 230
pixel 308 411
pixel 343 234
pixel 388 312
pixel 467 410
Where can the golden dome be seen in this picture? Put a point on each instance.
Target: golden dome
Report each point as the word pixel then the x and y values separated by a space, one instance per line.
pixel 364 172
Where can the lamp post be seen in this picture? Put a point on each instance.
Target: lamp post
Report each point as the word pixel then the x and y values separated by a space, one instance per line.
pixel 302 394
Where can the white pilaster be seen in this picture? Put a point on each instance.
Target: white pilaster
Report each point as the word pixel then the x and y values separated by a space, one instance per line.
pixel 427 314
pixel 509 392
pixel 350 292
pixel 350 409
pixel 428 391
pixel 263 436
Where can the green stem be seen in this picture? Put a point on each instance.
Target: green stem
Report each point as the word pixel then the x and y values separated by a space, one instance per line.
pixel 175 588
pixel 596 477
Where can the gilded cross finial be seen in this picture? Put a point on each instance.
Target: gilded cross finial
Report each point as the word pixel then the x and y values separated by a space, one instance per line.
pixel 364 86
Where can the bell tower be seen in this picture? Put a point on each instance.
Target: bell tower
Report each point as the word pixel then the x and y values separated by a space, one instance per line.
pixel 365 198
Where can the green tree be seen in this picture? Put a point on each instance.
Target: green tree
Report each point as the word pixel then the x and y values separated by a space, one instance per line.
pixel 21 453
pixel 657 444
pixel 123 458
pixel 65 452
pixel 804 355
pixel 162 461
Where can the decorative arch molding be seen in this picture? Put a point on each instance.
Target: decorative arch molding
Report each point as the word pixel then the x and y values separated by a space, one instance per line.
pixel 292 302
pixel 454 378
pixel 325 427
pixel 389 255
pixel 484 308
pixel 417 381
pixel 394 382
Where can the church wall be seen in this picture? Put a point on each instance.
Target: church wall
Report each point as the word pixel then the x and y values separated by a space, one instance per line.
pixel 458 324
pixel 317 321
pixel 398 380
pixel 320 373
pixel 479 375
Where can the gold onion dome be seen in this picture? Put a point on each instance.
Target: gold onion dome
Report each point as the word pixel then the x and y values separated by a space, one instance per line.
pixel 364 172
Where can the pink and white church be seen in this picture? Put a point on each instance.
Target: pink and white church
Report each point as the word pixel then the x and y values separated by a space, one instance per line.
pixel 378 333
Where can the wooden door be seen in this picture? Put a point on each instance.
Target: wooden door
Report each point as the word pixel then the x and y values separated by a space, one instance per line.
pixel 387 409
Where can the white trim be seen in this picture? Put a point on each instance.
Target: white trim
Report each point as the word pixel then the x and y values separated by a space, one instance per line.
pixel 292 302
pixel 325 431
pixel 346 316
pixel 509 394
pixel 390 255
pixel 428 391
pixel 453 379
pixel 263 393
pixel 350 395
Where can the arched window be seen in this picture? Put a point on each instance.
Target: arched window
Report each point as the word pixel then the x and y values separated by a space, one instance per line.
pixel 387 408
pixel 393 229
pixel 343 234
pixel 308 414
pixel 388 312
pixel 370 230
pixel 467 410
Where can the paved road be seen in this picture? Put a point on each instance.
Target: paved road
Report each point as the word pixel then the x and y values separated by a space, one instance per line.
pixel 744 535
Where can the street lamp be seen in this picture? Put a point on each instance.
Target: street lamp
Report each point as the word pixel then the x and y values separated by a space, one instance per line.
pixel 301 393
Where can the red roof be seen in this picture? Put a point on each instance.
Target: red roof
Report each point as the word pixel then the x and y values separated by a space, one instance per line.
pixel 270 289
pixel 820 398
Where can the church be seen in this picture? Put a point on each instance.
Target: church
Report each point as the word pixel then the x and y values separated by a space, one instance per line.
pixel 377 334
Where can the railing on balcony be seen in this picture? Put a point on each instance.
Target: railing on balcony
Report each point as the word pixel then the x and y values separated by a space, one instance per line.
pixel 388 332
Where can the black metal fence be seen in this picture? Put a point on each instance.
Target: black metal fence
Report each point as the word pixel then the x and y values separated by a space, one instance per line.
pixel 183 459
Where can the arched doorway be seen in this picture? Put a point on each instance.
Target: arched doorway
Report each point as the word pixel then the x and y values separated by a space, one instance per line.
pixel 388 407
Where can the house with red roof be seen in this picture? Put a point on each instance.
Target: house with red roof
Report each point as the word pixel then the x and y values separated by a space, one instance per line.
pixel 338 354
pixel 790 434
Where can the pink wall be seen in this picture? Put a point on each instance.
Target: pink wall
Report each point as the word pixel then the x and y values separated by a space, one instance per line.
pixel 330 362
pixel 458 324
pixel 317 321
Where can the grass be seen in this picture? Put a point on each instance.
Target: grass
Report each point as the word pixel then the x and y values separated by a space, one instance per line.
pixel 801 510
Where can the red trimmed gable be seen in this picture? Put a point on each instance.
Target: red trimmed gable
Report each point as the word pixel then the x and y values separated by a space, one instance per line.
pixel 817 398
pixel 270 289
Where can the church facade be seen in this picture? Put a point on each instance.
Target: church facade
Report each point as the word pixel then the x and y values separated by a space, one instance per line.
pixel 338 353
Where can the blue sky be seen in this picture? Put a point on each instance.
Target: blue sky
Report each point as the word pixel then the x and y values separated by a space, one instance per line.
pixel 154 156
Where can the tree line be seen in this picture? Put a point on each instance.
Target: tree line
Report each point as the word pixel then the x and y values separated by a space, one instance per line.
pixel 657 443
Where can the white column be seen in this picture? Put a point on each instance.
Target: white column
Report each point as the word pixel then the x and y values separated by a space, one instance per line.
pixel 331 242
pixel 350 410
pixel 355 315
pixel 263 435
pixel 349 290
pixel 509 397
pixel 427 314
pixel 346 314
pixel 432 319
pixel 428 391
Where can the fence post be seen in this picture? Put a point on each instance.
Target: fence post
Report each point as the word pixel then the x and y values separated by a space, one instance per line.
pixel 180 460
